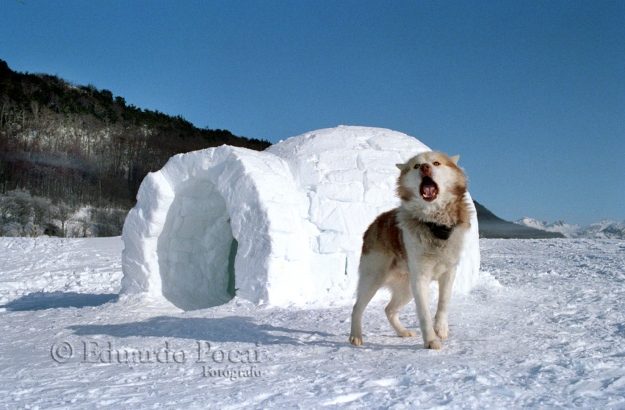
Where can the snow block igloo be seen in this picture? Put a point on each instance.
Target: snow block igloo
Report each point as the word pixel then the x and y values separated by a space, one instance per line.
pixel 283 226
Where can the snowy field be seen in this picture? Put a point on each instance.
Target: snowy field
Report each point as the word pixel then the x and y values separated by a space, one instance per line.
pixel 551 336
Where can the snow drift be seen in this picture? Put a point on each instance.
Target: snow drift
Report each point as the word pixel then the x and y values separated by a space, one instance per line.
pixel 283 226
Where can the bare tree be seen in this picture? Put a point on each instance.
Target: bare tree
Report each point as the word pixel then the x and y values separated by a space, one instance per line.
pixel 108 222
pixel 42 214
pixel 64 213
pixel 20 208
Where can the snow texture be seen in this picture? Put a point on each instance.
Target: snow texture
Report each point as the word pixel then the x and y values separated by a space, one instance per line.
pixel 283 226
pixel 551 335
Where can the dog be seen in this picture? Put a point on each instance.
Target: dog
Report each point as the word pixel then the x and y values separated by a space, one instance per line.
pixel 408 247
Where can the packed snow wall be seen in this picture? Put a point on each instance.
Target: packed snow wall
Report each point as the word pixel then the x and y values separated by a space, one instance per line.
pixel 283 226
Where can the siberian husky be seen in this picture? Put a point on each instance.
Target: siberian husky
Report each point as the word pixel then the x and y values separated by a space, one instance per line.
pixel 408 247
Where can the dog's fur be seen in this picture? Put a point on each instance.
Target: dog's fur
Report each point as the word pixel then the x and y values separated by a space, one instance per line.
pixel 412 245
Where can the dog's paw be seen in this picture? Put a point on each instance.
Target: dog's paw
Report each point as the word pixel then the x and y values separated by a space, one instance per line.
pixel 407 333
pixel 355 340
pixel 442 330
pixel 433 344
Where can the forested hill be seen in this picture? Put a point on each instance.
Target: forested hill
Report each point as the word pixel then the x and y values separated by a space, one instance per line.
pixel 85 146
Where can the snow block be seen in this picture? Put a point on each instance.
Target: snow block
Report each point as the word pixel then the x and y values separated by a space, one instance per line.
pixel 283 226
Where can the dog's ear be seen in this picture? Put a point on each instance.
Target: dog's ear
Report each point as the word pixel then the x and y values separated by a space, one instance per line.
pixel 401 167
pixel 455 159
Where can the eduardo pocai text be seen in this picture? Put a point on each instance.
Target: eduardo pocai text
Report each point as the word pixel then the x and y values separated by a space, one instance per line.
pixel 216 362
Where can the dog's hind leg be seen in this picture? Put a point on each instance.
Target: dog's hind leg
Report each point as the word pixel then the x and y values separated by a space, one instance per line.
pixel 401 294
pixel 373 271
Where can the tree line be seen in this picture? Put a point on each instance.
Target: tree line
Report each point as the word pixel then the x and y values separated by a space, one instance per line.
pixel 23 214
pixel 82 146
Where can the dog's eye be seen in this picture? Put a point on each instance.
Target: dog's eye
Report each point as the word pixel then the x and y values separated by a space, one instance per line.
pixel 436 163
pixel 417 166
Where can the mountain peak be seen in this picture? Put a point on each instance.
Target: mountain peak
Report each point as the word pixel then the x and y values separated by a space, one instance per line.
pixel 606 228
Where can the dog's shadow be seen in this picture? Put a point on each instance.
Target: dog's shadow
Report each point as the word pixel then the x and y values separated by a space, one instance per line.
pixel 234 329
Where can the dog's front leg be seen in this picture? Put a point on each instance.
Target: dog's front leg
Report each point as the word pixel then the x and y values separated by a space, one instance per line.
pixel 420 279
pixel 441 320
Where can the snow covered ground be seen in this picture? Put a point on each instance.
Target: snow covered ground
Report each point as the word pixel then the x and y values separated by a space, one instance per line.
pixel 552 335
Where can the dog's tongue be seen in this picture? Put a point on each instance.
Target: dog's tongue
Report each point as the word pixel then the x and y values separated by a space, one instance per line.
pixel 429 190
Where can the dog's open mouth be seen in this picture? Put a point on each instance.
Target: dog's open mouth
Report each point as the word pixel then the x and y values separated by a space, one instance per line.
pixel 428 189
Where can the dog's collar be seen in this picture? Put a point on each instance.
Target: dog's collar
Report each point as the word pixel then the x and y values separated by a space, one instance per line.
pixel 440 231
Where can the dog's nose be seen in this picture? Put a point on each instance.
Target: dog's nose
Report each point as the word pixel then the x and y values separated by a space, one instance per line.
pixel 426 170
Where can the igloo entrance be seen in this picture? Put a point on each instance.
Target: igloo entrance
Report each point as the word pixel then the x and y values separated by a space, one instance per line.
pixel 208 214
pixel 196 250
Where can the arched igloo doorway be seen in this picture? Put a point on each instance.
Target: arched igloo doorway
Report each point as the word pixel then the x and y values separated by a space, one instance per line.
pixel 197 249
pixel 211 223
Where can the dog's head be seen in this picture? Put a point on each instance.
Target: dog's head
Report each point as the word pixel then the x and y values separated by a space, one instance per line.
pixel 431 180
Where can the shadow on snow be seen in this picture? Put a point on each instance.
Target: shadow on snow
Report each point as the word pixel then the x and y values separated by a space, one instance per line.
pixel 238 329
pixel 55 300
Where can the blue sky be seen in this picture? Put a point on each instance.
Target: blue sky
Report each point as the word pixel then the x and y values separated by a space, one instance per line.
pixel 530 94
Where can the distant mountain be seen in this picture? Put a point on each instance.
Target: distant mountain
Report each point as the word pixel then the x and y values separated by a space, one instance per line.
pixel 559 226
pixel 532 223
pixel 605 229
pixel 492 226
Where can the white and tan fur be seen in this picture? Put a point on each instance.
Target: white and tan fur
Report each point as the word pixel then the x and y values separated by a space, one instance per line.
pixel 402 252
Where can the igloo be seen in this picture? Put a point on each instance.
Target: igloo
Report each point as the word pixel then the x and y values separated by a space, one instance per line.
pixel 283 226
